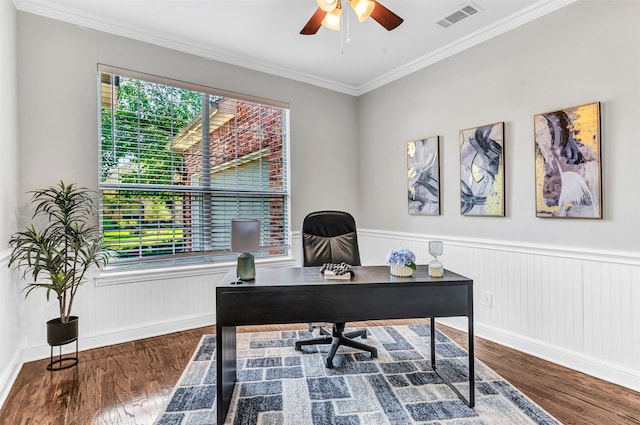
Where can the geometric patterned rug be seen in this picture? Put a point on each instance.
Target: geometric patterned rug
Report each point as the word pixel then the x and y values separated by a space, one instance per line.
pixel 278 385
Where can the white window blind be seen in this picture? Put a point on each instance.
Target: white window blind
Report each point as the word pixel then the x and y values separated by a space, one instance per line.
pixel 179 161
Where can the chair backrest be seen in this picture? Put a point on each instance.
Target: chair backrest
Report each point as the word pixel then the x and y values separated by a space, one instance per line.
pixel 329 237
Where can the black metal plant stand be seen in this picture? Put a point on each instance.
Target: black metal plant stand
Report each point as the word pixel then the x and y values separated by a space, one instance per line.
pixel 59 334
pixel 63 362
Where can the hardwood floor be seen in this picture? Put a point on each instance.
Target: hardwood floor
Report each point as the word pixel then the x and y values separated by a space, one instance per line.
pixel 129 383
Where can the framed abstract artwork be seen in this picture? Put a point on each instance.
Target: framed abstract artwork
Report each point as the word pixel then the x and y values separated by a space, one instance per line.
pixel 423 173
pixel 567 162
pixel 482 170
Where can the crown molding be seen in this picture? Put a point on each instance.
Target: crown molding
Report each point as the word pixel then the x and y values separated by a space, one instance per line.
pixel 527 15
pixel 53 11
pixel 49 10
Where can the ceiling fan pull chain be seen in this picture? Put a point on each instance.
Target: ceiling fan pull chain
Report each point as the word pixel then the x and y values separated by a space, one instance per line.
pixel 348 39
pixel 345 34
pixel 343 18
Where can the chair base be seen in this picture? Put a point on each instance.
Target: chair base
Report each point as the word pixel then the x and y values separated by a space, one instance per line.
pixel 337 338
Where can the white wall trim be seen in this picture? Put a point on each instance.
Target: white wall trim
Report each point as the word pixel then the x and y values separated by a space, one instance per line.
pixel 579 253
pixel 9 376
pixel 581 363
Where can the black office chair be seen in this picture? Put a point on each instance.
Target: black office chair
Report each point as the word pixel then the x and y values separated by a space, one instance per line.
pixel 330 237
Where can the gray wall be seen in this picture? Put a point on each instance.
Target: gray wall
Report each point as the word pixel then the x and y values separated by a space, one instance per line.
pixel 58 118
pixel 585 52
pixel 9 297
pixel 8 120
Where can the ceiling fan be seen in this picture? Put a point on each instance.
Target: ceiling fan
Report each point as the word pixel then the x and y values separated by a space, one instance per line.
pixel 329 12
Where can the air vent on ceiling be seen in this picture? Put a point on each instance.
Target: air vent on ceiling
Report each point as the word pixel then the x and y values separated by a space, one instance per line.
pixel 458 15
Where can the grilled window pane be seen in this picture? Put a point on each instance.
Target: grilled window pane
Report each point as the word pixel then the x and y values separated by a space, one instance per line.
pixel 178 164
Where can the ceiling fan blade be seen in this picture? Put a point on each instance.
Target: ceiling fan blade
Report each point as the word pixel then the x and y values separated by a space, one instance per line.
pixel 385 17
pixel 313 25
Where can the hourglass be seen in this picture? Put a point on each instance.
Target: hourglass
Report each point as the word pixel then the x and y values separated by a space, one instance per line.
pixel 436 269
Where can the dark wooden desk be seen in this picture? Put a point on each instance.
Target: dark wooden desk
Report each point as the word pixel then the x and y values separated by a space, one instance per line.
pixel 302 295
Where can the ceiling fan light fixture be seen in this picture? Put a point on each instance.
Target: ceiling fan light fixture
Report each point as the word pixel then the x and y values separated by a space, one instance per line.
pixel 332 20
pixel 329 13
pixel 362 8
pixel 328 5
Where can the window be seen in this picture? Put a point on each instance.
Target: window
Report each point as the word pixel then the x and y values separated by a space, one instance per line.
pixel 179 161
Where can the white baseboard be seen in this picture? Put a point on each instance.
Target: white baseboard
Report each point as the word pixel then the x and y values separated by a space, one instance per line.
pixel 581 363
pixel 117 336
pixel 8 376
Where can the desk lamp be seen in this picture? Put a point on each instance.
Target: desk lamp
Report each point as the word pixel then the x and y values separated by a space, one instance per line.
pixel 245 238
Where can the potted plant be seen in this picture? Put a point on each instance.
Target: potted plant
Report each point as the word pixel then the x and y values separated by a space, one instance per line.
pixel 402 262
pixel 58 250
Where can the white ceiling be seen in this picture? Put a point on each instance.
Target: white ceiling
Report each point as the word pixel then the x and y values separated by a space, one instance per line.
pixel 264 34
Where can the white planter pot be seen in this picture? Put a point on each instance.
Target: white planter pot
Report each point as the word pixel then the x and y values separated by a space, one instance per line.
pixel 401 270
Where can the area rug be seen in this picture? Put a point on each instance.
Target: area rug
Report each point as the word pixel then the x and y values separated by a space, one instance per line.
pixel 277 385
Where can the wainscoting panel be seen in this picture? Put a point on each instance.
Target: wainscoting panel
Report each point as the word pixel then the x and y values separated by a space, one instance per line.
pixel 139 308
pixel 580 309
pixel 611 296
pixel 10 344
pixel 116 307
pixel 577 308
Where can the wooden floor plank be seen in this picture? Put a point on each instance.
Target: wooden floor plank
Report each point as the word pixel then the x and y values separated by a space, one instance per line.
pixel 130 383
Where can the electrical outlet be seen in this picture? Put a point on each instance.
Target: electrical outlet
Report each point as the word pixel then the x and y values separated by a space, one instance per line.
pixel 487 299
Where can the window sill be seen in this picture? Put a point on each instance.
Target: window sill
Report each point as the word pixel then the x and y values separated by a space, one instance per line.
pixel 104 278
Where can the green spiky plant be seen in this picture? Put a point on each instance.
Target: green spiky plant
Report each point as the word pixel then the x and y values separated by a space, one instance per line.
pixel 58 253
